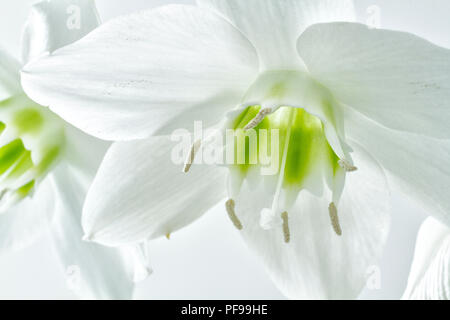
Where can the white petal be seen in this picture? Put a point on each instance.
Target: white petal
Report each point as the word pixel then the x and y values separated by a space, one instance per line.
pixel 140 193
pixel 415 165
pixel 273 26
pixel 133 75
pixel 53 24
pixel 395 78
pixel 77 145
pixel 9 75
pixel 139 260
pixel 94 271
pixel 430 272
pixel 316 263
pixel 25 222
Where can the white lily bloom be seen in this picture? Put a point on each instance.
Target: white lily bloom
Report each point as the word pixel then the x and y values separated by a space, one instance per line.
pixel 46 165
pixel 429 278
pixel 356 108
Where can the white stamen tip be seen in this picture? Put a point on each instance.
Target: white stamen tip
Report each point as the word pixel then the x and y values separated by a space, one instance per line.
pixel 344 164
pixel 334 219
pixel 229 205
pixel 258 118
pixel 268 220
pixel 286 232
pixel 191 157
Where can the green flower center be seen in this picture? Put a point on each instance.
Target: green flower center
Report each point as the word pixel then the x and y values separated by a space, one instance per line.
pixel 300 144
pixel 31 142
pixel 296 130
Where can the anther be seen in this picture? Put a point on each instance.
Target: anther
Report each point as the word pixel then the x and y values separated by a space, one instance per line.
pixel 344 164
pixel 229 205
pixel 258 118
pixel 334 219
pixel 286 232
pixel 190 159
pixel 168 235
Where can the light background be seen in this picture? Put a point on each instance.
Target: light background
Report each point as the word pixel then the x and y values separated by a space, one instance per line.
pixel 208 260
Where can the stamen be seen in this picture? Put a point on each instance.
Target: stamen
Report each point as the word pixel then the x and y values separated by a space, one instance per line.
pixel 168 235
pixel 286 232
pixel 229 205
pixel 334 219
pixel 190 159
pixel 258 118
pixel 347 166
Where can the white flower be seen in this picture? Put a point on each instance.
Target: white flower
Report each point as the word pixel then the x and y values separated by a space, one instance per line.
pixel 429 278
pixel 46 165
pixel 356 109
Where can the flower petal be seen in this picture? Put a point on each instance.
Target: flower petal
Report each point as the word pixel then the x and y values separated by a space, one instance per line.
pixel 9 75
pixel 430 272
pixel 273 26
pixel 316 263
pixel 397 79
pixel 134 75
pixel 415 165
pixel 94 271
pixel 53 24
pixel 25 222
pixel 139 193
pixel 77 142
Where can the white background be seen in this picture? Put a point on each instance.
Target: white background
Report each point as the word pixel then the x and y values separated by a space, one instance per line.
pixel 208 260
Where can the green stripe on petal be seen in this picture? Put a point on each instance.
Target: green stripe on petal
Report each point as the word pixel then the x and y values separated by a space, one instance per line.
pixel 25 190
pixel 10 153
pixel 50 158
pixel 28 120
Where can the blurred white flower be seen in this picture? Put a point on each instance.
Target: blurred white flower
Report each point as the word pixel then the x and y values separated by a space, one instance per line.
pixel 356 108
pixel 46 165
pixel 429 278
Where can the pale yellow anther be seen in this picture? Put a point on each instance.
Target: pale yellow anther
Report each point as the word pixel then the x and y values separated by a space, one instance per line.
pixel 229 205
pixel 344 164
pixel 258 118
pixel 334 219
pixel 168 236
pixel 286 232
pixel 191 157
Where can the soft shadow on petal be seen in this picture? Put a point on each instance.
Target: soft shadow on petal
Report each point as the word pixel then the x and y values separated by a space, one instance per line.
pixel 9 75
pixel 397 79
pixel 416 166
pixel 131 76
pixel 22 224
pixel 274 26
pixel 429 278
pixel 93 271
pixel 317 263
pixel 54 24
pixel 140 193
